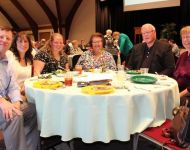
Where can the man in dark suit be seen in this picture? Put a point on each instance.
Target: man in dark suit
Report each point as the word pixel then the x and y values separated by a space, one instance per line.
pixel 152 53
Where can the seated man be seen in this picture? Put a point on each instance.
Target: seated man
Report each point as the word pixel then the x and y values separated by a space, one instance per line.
pixel 152 53
pixel 17 119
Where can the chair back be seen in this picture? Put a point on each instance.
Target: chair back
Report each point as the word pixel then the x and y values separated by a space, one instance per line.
pixel 75 60
pixel 115 57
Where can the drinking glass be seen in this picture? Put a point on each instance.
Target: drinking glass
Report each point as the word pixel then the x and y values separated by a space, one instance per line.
pixel 68 79
pixel 78 68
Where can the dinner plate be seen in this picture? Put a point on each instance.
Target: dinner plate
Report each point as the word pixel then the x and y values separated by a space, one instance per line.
pixel 47 84
pixel 133 72
pixel 98 89
pixel 144 79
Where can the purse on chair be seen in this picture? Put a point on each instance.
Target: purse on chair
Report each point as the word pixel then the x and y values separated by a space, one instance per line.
pixel 180 127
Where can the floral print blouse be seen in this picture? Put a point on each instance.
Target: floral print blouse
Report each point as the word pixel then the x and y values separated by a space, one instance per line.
pixel 87 61
pixel 51 64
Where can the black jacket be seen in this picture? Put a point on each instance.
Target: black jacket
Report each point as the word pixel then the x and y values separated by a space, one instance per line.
pixel 161 58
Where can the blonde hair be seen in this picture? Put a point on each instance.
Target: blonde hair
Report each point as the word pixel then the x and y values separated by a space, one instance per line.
pixel 74 41
pixel 109 31
pixel 47 48
pixel 185 30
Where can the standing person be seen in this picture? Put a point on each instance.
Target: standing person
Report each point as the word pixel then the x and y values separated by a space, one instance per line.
pixel 124 44
pixel 96 56
pixel 109 45
pixel 52 57
pixel 182 71
pixel 17 119
pixel 82 45
pixel 152 53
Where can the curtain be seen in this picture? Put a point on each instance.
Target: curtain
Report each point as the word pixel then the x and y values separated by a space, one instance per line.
pixel 110 15
pixel 103 17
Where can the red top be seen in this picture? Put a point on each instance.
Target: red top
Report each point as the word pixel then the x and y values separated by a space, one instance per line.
pixel 182 72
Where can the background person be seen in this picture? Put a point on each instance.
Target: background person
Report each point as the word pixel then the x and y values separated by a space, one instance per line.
pixel 124 44
pixel 75 50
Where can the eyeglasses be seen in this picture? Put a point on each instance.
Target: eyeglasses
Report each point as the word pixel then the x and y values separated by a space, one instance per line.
pixel 148 32
pixel 96 42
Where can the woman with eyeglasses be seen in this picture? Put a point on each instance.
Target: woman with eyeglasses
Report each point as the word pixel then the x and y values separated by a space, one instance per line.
pixel 96 56
pixel 52 57
pixel 182 71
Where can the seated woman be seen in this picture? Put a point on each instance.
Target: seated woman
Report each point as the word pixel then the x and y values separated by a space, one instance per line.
pixel 22 58
pixel 52 57
pixel 96 56
pixel 75 50
pixel 182 71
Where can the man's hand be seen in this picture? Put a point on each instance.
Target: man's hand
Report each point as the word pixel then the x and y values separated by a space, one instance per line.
pixel 8 109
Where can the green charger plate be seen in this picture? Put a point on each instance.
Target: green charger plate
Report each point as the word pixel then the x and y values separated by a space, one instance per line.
pixel 143 79
pixel 133 72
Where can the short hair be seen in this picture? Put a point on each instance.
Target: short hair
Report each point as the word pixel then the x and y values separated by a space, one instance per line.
pixel 109 30
pixel 185 30
pixel 116 33
pixel 74 41
pixel 6 28
pixel 97 34
pixel 149 25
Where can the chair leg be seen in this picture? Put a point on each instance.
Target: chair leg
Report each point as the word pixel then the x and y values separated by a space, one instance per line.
pixel 135 141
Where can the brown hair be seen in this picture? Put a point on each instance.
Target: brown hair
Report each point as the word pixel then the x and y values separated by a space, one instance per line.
pixel 6 28
pixel 28 55
pixel 97 34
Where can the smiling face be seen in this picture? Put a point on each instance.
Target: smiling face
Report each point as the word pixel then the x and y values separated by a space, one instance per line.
pixel 22 44
pixel 148 34
pixel 57 43
pixel 97 44
pixel 5 41
pixel 185 35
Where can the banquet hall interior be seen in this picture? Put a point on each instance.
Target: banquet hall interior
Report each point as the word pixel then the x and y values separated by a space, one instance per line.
pixel 76 21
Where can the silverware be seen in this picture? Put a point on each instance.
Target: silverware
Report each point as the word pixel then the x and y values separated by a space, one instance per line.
pixel 142 88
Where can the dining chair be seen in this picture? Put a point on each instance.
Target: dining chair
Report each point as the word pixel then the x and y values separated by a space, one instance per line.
pixel 115 57
pixel 75 60
pixel 154 135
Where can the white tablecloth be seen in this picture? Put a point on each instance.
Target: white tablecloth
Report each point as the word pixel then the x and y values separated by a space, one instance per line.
pixel 70 113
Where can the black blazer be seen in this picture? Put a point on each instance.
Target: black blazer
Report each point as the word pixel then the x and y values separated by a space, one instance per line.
pixel 161 61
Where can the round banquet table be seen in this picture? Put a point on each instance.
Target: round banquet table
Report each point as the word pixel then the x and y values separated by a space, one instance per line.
pixel 70 113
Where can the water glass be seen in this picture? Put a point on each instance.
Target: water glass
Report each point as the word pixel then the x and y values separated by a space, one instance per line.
pixel 144 70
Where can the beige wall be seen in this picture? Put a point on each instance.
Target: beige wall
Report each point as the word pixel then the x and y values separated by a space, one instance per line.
pixel 4 21
pixel 83 24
